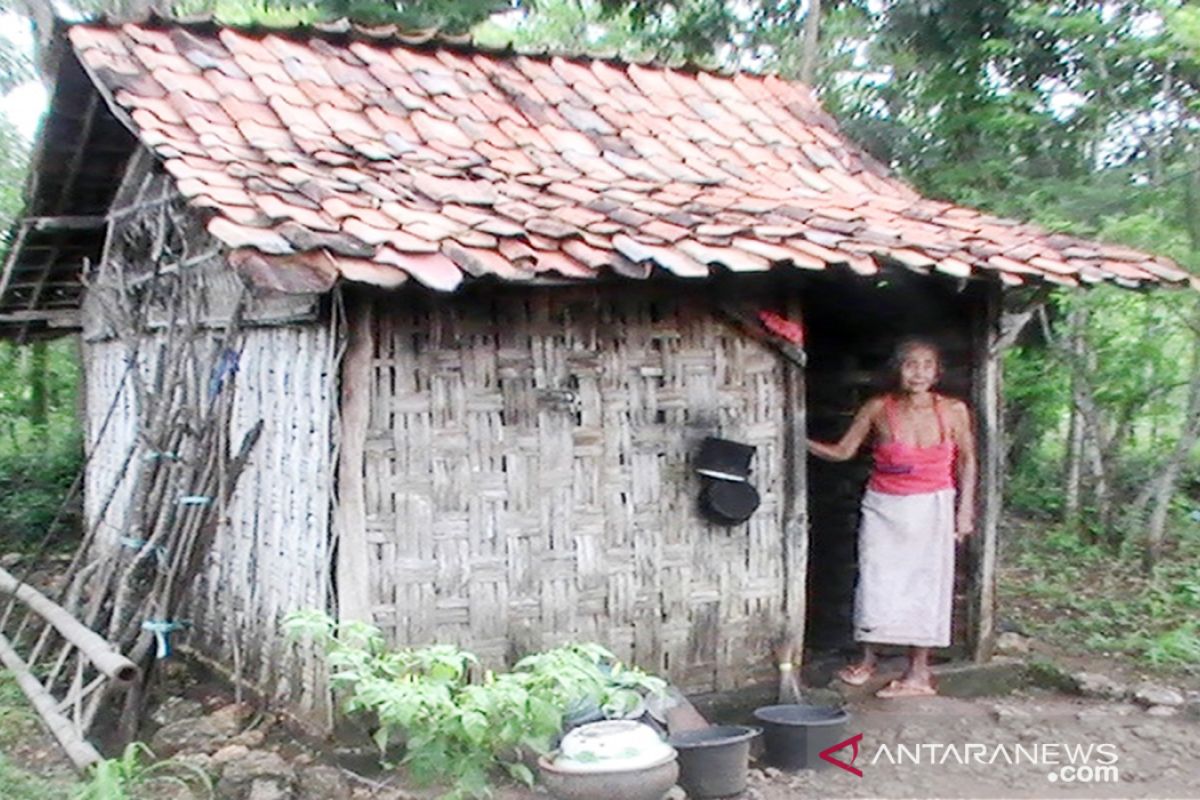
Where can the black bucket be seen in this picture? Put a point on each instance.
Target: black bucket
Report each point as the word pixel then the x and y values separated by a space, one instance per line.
pixel 713 761
pixel 795 735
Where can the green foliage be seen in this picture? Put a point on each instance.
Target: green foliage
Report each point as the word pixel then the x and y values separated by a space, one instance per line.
pixel 20 725
pixel 135 775
pixel 455 729
pixel 33 486
pixel 1060 587
pixel 17 783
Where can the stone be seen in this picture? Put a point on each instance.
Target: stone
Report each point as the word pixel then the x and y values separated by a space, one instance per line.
pixel 10 560
pixel 1093 684
pixel 189 735
pixel 1162 711
pixel 1102 713
pixel 232 716
pixel 1192 705
pixel 164 788
pixel 230 752
pixel 1150 732
pixel 1155 694
pixel 268 789
pixel 251 738
pixel 240 774
pixel 174 709
pixel 201 761
pixel 996 677
pixel 1012 644
pixel 1010 714
pixel 201 734
pixel 321 782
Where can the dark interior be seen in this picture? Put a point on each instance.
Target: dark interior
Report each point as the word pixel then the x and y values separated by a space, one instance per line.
pixel 851 327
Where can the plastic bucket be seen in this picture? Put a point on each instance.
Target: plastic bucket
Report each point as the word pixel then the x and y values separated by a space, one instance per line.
pixel 713 761
pixel 795 735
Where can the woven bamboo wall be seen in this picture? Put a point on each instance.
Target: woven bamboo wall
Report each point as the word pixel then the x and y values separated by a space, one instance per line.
pixel 272 551
pixel 527 480
pixel 107 484
pixel 273 555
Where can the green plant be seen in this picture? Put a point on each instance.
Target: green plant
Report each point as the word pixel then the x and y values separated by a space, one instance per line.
pixel 135 774
pixel 456 729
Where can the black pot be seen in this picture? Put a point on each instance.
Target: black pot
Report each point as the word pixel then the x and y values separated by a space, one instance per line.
pixel 713 761
pixel 729 502
pixel 795 735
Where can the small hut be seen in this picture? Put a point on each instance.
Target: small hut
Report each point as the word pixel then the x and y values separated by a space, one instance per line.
pixel 473 314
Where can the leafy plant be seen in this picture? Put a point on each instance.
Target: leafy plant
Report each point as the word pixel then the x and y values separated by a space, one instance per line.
pixel 456 729
pixel 135 775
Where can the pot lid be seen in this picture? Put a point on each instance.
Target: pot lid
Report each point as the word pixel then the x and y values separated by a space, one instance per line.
pixel 611 746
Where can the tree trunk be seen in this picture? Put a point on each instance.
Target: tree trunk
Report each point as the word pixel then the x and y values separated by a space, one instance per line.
pixel 1073 467
pixel 1164 484
pixel 812 28
pixel 38 390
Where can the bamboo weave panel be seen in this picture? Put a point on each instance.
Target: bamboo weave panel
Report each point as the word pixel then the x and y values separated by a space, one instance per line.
pixel 272 555
pixel 527 481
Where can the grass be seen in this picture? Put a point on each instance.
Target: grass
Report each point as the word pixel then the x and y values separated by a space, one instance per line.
pixel 1080 597
pixel 20 730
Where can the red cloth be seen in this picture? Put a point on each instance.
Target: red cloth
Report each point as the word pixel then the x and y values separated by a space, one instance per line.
pixel 782 327
pixel 902 468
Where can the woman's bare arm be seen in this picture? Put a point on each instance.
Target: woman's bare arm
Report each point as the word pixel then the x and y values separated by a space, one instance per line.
pixel 845 448
pixel 968 470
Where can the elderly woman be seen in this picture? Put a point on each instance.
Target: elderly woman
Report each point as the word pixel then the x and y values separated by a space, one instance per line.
pixel 913 512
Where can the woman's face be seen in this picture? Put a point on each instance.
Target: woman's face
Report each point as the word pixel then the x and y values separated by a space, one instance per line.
pixel 919 369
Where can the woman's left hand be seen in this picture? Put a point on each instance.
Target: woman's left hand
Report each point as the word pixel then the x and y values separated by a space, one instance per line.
pixel 964 525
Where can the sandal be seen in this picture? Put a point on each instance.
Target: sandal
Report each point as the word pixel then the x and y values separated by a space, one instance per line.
pixel 855 674
pixel 902 688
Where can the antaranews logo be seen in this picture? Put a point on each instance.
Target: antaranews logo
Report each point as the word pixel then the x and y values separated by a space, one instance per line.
pixel 1068 763
pixel 827 754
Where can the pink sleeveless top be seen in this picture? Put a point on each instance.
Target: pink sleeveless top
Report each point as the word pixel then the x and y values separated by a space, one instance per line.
pixel 902 468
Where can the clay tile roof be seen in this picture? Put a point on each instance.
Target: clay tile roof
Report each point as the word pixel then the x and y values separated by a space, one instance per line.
pixel 385 157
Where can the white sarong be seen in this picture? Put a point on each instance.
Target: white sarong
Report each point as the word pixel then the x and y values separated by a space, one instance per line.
pixel 905 589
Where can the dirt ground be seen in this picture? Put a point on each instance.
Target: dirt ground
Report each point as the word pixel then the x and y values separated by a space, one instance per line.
pixel 1155 756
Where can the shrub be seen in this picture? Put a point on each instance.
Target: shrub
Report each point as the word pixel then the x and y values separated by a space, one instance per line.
pixel 33 485
pixel 457 729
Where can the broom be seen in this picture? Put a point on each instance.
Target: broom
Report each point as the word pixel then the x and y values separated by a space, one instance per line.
pixel 788 655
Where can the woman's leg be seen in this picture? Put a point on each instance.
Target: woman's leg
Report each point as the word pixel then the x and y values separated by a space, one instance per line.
pixel 918 667
pixel 861 672
pixel 917 681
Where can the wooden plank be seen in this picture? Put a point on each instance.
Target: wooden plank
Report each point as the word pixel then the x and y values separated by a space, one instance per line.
pixel 78 749
pixel 987 401
pixel 353 557
pixel 14 255
pixel 795 526
pixel 67 223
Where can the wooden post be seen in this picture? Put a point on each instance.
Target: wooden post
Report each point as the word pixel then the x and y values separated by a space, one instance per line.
pixel 795 528
pixel 350 516
pixel 986 390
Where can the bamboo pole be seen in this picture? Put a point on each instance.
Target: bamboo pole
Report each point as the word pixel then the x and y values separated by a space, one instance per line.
pixel 107 660
pixel 78 749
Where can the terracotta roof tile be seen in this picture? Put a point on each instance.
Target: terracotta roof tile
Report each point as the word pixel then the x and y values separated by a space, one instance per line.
pixel 327 159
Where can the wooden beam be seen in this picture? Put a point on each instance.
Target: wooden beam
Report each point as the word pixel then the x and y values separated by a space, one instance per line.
pixel 350 516
pixel 986 391
pixel 49 316
pixel 795 523
pixel 67 223
pixel 10 263
pixel 99 651
pixel 78 749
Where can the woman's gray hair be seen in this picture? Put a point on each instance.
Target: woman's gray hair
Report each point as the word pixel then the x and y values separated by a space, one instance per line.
pixel 905 347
